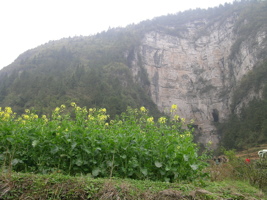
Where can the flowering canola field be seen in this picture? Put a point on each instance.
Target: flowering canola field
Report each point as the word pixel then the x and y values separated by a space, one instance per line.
pixel 75 140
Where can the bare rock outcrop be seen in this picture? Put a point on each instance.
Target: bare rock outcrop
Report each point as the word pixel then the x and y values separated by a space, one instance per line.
pixel 197 70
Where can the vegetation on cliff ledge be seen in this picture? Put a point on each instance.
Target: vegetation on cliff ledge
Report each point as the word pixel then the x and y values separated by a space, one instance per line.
pixel 248 126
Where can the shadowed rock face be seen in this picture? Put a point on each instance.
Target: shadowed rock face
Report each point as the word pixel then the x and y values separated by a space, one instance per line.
pixel 197 72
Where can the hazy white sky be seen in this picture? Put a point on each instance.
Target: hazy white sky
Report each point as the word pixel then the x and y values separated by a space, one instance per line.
pixel 26 24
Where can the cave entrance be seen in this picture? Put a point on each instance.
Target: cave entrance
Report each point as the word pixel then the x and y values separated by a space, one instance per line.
pixel 215 115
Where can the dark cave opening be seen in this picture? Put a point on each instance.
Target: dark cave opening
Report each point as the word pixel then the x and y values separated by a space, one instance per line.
pixel 215 115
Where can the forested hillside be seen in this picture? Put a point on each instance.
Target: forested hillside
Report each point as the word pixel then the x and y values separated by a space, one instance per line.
pixel 91 71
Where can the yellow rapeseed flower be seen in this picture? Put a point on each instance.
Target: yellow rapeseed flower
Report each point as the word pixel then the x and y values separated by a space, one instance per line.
pixel 103 110
pixel 27 111
pixel 143 109
pixel 6 116
pixel 57 109
pixel 25 117
pixel 62 106
pixel 176 117
pixel 8 110
pixel 102 117
pixel 73 104
pixel 174 107
pixel 150 120
pixel 90 117
pixel 44 118
pixel 162 120
pixel 78 108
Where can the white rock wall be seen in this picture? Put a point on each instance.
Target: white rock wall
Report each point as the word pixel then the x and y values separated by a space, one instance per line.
pixel 195 72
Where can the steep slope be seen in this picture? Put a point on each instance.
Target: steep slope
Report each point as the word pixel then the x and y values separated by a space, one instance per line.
pixel 92 71
pixel 199 67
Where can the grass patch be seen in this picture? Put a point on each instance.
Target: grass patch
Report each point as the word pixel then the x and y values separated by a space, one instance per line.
pixel 234 189
pixel 58 186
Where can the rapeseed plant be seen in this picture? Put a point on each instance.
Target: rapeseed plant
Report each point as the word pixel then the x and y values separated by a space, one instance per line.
pixel 162 120
pixel 143 109
pixel 150 120
pixel 130 145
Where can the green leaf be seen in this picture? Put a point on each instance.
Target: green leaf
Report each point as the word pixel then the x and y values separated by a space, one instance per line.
pixel 144 171
pixel 123 169
pixel 186 157
pixel 73 145
pixel 158 164
pixel 167 179
pixel 98 149
pixel 110 163
pixel 54 150
pixel 16 161
pixel 79 162
pixel 95 172
pixel 194 167
pixel 35 142
pixel 162 172
pixel 87 151
pixel 167 168
pixel 11 140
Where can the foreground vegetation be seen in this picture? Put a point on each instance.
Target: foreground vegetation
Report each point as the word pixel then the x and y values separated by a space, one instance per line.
pixel 79 153
pixel 75 140
pixel 222 184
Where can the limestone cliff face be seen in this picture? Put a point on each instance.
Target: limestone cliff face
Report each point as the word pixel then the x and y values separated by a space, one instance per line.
pixel 198 71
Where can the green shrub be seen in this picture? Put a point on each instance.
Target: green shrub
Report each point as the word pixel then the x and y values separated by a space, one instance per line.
pixel 254 172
